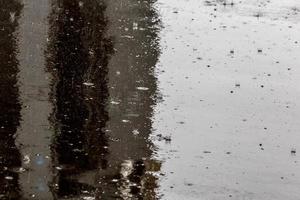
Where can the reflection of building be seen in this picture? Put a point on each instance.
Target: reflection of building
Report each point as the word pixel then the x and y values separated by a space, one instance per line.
pixel 78 54
pixel 132 89
pixel 34 133
pixel 10 159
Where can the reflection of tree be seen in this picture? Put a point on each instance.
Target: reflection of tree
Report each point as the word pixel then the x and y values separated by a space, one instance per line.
pixel 78 56
pixel 9 101
pixel 133 92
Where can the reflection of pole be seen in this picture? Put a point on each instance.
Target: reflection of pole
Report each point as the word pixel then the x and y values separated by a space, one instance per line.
pixel 34 134
pixel 10 159
pixel 78 56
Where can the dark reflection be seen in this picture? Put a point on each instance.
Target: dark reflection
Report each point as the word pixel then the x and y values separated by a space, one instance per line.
pixel 78 57
pixel 10 159
pixel 103 103
pixel 133 94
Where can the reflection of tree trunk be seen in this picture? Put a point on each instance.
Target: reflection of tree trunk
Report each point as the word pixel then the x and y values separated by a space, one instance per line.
pixel 10 160
pixel 78 55
pixel 132 89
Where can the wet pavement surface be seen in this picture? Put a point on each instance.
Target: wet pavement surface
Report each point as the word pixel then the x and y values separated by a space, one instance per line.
pixel 156 99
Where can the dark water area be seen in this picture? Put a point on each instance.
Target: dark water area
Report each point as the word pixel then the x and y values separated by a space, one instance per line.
pixel 77 98
pixel 10 158
pixel 78 56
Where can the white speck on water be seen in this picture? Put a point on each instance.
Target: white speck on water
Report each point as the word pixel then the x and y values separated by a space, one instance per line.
pixel 127 36
pixel 88 198
pixel 9 178
pixel 21 169
pixel 142 88
pixel 135 26
pixel 115 102
pixel 12 16
pixel 88 84
pixel 135 132
pixel 91 52
pixel 126 168
pixel 26 159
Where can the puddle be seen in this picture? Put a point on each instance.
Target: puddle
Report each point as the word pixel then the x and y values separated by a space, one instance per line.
pixel 166 99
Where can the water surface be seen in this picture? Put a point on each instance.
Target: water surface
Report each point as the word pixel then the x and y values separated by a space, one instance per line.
pixel 166 99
